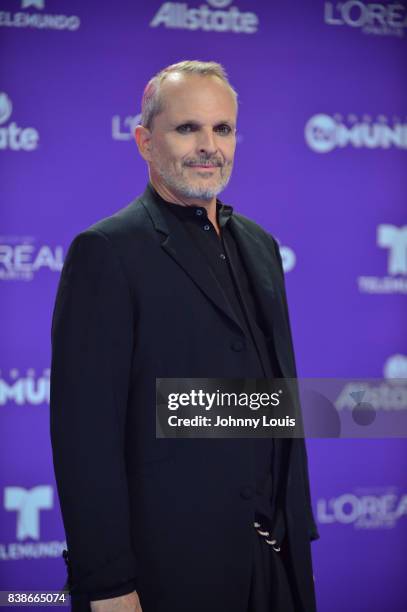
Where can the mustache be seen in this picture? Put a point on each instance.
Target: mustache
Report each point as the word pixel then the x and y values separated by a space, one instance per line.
pixel 204 162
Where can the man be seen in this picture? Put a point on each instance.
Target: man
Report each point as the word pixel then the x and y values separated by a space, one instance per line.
pixel 176 285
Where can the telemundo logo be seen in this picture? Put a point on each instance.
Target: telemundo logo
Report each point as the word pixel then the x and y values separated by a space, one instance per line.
pixel 324 133
pixel 39 20
pixel 212 18
pixel 29 506
pixel 394 239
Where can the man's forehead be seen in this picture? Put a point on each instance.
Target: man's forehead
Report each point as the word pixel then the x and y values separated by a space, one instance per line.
pixel 175 78
pixel 180 79
pixel 192 85
pixel 188 94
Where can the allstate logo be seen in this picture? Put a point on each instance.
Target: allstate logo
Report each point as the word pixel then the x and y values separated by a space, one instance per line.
pixel 320 133
pixel 13 136
pixel 219 3
pixel 395 367
pixel 214 16
pixel 6 107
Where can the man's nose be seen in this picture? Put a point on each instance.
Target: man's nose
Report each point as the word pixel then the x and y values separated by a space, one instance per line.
pixel 206 142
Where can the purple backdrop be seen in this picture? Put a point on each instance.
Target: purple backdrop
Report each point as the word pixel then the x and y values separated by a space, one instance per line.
pixel 320 159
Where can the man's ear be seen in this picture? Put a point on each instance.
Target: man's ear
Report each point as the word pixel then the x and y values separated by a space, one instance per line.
pixel 143 139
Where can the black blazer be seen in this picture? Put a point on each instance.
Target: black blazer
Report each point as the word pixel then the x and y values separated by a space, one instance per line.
pixel 135 302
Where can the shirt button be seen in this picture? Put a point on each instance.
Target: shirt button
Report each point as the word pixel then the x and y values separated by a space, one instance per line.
pixel 222 256
pixel 237 345
pixel 199 212
pixel 207 227
pixel 247 492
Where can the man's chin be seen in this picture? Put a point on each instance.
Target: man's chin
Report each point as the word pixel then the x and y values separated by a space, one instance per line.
pixel 203 192
pixel 204 189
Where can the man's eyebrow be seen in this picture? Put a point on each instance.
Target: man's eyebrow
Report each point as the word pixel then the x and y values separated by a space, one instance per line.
pixel 195 122
pixel 227 122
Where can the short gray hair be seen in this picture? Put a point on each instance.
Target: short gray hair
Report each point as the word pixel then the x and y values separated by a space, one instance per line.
pixel 152 105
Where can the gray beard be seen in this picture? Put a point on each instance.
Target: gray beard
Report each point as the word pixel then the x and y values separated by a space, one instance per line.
pixel 185 190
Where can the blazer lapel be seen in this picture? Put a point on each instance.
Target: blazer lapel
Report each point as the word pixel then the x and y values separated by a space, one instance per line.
pixel 260 267
pixel 177 244
pixel 269 291
pixel 258 261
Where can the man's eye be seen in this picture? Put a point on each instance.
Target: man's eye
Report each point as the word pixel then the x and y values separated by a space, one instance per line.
pixel 186 128
pixel 223 129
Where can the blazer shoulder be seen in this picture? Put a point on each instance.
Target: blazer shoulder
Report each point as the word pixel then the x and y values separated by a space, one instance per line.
pixel 254 229
pixel 126 221
pixel 125 230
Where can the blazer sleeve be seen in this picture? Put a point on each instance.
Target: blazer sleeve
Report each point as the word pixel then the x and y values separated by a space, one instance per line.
pixel 299 450
pixel 92 338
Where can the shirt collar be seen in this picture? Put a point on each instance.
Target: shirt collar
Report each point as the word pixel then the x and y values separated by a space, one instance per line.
pixel 223 211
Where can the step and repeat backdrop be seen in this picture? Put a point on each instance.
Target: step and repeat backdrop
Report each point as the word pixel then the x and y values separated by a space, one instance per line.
pixel 321 163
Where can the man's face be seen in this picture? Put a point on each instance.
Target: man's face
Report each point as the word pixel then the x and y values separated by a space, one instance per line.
pixel 193 140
